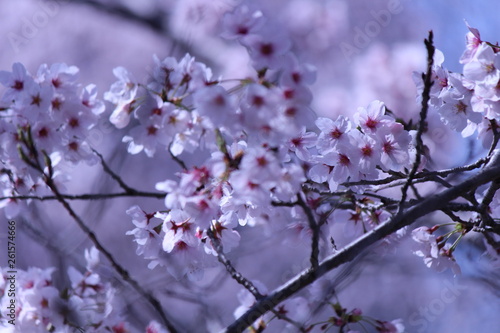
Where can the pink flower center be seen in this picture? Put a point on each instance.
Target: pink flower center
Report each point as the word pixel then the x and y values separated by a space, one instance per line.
pixel 73 146
pixel 252 186
pixel 219 100
pixel 267 49
pixel 182 246
pixel 73 122
pixel 296 77
pixel 461 107
pixel 367 151
pixel 297 142
pixel 56 82
pixel 152 130
pixel 388 147
pixel 261 161
pixel 336 133
pixel 36 100
pixel 291 111
pixel 288 93
pixel 43 132
pixel 18 85
pixel 371 123
pixel 258 101
pixel 344 160
pixel 56 104
pixel 242 30
pixel 488 68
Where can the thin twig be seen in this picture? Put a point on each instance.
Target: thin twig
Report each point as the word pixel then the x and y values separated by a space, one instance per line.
pixel 367 182
pixel 113 175
pixel 116 266
pixel 88 196
pixel 284 317
pixel 444 173
pixel 176 159
pixel 230 268
pixel 424 175
pixel 428 82
pixel 415 192
pixel 284 204
pixel 48 179
pixel 486 218
pixel 496 136
pixel 313 225
pixel 245 282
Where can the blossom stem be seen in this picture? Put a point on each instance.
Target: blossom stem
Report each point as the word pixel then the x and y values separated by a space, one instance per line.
pixel 455 243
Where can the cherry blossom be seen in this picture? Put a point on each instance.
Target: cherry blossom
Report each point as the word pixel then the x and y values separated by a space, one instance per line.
pixel 394 142
pixel 61 76
pixel 122 93
pixel 484 66
pixel 394 326
pixel 457 112
pixel 372 117
pixel 146 235
pixel 252 160
pixel 301 143
pixel 17 82
pixel 243 20
pixel 267 49
pixel 369 154
pixel 473 41
pixel 155 327
pixel 332 132
pixel 88 303
pixel 435 255
pixel 214 103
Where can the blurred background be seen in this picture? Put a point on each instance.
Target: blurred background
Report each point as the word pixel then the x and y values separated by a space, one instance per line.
pixel 360 53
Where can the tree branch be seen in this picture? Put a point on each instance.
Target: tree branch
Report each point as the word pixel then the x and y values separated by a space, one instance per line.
pixel 156 22
pixel 490 172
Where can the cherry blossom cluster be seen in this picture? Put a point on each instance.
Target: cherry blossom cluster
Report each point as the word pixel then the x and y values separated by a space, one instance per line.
pixel 469 102
pixel 160 109
pixel 346 319
pixel 182 104
pixel 359 151
pixel 257 133
pixel 435 251
pixel 49 110
pixel 267 161
pixel 88 304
